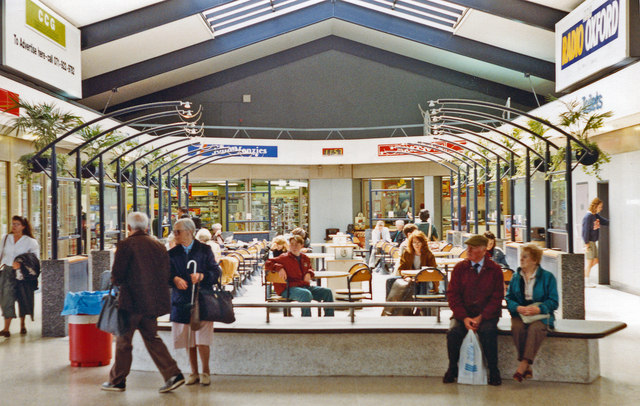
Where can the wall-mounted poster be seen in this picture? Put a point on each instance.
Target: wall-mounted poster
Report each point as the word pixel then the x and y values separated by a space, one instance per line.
pixel 446 188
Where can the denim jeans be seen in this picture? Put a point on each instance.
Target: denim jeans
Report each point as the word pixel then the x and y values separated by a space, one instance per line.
pixel 306 293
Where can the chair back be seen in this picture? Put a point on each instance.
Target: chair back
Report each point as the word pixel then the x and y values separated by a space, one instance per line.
pixel 429 274
pixel 507 274
pixel 447 248
pixel 360 273
pixel 229 267
pixel 380 244
pixel 273 277
pixel 463 254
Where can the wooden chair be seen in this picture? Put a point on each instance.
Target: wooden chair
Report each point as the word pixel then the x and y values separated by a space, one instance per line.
pixel 463 254
pixel 431 274
pixel 357 273
pixel 447 247
pixel 507 274
pixel 270 294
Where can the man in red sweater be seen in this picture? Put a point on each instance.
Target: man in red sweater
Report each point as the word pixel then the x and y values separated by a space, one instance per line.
pixel 475 296
pixel 295 267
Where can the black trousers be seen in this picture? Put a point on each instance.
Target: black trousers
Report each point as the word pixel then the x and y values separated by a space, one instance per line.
pixel 488 336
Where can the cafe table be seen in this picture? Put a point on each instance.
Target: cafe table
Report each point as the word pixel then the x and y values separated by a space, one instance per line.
pixel 319 256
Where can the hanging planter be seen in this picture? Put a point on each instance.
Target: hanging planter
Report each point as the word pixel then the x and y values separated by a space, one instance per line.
pixel 89 171
pixel 588 158
pixel 39 164
pixel 125 176
pixel 539 165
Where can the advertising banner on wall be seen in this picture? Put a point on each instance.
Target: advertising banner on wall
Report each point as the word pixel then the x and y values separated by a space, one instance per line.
pixel 594 38
pixel 256 151
pixel 414 149
pixel 39 44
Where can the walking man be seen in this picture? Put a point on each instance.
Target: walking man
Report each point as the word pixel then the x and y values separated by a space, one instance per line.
pixel 141 270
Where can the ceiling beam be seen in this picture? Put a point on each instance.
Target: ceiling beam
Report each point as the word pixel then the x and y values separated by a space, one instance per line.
pixel 142 19
pixel 207 49
pixel 308 16
pixel 444 40
pixel 526 12
pixel 350 47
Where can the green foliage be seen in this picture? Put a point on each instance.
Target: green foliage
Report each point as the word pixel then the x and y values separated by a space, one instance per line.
pixel 45 121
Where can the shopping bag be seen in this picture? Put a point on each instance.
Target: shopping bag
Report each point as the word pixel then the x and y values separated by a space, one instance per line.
pixel 216 305
pixel 112 319
pixel 471 367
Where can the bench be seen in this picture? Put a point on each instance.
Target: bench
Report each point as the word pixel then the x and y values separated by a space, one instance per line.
pixel 379 346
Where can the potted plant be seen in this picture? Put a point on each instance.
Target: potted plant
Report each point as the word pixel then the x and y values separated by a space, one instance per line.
pixel 94 147
pixel 581 121
pixel 45 121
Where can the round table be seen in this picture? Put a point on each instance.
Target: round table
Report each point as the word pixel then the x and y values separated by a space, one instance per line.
pixel 441 254
pixel 318 256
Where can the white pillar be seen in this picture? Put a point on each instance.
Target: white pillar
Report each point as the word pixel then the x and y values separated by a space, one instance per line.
pixel 433 200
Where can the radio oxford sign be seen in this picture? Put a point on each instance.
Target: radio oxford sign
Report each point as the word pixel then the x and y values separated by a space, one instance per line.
pixel 592 39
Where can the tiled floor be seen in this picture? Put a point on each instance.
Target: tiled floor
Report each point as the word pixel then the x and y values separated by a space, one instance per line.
pixel 36 371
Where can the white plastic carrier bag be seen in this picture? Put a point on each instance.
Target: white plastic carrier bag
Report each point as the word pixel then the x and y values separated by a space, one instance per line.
pixel 471 367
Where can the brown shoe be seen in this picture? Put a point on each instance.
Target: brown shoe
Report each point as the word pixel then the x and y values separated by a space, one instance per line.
pixel 23 331
pixel 4 333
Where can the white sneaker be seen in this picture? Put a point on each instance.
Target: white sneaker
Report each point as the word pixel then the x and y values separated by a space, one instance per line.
pixel 588 283
pixel 192 379
pixel 205 380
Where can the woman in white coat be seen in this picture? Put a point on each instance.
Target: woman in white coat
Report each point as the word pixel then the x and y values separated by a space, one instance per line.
pixel 19 241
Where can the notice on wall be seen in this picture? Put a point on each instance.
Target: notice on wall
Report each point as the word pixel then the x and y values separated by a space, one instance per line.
pixel 39 44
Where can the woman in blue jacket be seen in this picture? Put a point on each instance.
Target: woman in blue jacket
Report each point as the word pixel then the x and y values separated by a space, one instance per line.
pixel 182 279
pixel 532 293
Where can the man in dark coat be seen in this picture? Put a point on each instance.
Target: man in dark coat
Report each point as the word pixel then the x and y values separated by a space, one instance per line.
pixel 141 270
pixel 475 296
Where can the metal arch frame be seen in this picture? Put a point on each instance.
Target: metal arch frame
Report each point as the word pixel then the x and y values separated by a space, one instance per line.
pixel 489 128
pixel 568 159
pixel 440 137
pixel 497 180
pixel 194 153
pixel 160 191
pixel 464 130
pixel 451 171
pixel 147 131
pixel 515 111
pixel 496 118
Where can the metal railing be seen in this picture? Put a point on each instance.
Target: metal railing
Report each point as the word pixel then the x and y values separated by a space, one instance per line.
pixel 344 305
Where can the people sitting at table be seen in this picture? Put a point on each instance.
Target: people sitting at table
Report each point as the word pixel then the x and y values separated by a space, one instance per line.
pixel 406 230
pixel 216 233
pixel 475 296
pixel 532 294
pixel 379 233
pixel 398 236
pixel 426 227
pixel 295 267
pixel 204 236
pixel 278 246
pixel 493 252
pixel 302 233
pixel 416 256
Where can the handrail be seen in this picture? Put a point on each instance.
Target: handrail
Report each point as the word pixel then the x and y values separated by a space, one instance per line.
pixel 342 305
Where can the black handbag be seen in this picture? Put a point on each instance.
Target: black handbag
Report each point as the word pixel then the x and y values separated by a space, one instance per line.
pixel 112 319
pixel 216 305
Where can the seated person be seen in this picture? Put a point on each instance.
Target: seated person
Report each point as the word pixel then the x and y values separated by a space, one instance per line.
pixel 416 256
pixel 204 236
pixel 475 296
pixel 398 236
pixel 302 233
pixel 216 232
pixel 426 227
pixel 406 230
pixel 532 291
pixel 295 267
pixel 493 252
pixel 279 246
pixel 379 233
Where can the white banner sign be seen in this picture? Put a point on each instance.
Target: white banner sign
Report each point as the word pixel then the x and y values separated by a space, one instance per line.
pixel 592 38
pixel 38 43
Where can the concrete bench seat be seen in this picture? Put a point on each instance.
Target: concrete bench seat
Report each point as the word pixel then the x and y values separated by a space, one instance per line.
pixel 380 346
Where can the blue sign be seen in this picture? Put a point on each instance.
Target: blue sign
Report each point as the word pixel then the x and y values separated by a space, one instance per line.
pixel 591 34
pixel 255 151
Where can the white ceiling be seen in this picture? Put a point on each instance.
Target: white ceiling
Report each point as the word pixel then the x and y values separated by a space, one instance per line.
pixel 85 12
pixel 478 26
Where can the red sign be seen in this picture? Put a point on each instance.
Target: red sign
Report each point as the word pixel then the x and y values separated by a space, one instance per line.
pixel 413 149
pixel 7 100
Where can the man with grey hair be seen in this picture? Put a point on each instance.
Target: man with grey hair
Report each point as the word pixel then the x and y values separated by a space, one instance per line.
pixel 399 236
pixel 141 270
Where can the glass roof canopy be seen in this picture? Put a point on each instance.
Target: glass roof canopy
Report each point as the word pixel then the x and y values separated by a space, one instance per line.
pixel 238 14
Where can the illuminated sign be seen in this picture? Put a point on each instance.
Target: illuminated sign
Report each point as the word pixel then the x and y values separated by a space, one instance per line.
pixel 586 37
pixel 255 151
pixel 415 149
pixel 595 38
pixel 7 101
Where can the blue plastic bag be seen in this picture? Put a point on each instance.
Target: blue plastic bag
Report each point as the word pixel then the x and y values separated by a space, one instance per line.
pixel 83 302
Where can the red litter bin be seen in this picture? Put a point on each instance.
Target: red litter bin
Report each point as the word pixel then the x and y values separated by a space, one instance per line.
pixel 88 346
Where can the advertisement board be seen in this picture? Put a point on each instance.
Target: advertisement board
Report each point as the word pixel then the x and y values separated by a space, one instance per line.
pixel 415 149
pixel 256 151
pixel 39 44
pixel 593 39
